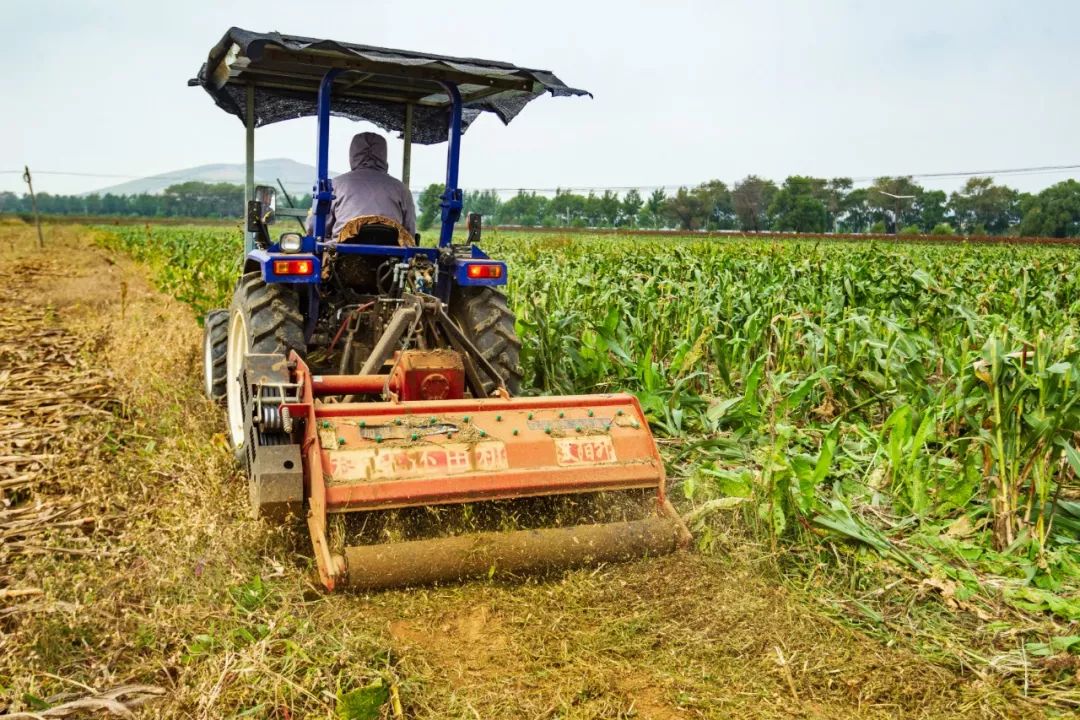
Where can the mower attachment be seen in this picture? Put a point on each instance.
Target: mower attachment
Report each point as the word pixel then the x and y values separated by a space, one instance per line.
pixel 424 562
pixel 367 456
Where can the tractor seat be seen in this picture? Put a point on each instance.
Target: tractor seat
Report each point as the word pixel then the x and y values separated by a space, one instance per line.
pixel 375 230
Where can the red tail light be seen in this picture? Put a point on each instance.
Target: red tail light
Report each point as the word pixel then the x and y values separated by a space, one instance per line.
pixel 293 267
pixel 485 271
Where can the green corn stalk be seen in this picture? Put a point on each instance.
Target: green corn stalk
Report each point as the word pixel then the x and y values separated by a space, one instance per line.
pixel 725 341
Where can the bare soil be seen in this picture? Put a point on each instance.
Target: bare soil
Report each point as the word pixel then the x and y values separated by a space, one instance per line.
pixel 172 589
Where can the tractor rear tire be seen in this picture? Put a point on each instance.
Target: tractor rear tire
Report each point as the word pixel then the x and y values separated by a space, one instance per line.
pixel 263 318
pixel 215 345
pixel 486 319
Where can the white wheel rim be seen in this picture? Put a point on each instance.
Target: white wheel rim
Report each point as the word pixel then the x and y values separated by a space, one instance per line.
pixel 208 363
pixel 237 350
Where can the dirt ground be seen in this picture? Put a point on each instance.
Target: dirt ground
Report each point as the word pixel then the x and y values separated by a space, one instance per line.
pixel 132 580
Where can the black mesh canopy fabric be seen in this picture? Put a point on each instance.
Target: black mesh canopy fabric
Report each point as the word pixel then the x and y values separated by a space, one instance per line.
pixel 285 71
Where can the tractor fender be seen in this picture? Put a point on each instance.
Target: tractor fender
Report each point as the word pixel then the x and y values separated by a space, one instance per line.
pixel 263 261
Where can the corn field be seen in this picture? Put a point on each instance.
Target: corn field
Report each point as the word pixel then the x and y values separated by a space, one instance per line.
pixel 919 400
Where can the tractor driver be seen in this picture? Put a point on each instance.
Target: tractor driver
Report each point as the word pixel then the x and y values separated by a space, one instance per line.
pixel 367 189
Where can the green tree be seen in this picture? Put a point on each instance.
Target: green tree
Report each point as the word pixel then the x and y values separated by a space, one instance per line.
pixel 1055 212
pixel 430 209
pixel 858 215
pixel 590 209
pixel 631 206
pixel 200 199
pixel 654 207
pixel 894 200
pixel 525 208
pixel 799 206
pixel 685 209
pixel 836 199
pixel 10 202
pixel 750 200
pixel 981 203
pixel 609 208
pixel 567 208
pixel 485 202
pixel 932 208
pixel 717 210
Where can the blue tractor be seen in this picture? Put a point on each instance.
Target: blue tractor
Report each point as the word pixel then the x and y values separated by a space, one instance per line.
pixel 367 371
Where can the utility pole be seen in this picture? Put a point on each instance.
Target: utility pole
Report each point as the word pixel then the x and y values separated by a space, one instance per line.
pixel 33 205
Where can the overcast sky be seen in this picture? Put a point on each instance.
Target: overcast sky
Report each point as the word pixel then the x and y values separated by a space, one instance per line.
pixel 685 91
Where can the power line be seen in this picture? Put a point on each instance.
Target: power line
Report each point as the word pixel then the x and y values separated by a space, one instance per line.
pixel 121 177
pixel 1038 169
pixel 1022 171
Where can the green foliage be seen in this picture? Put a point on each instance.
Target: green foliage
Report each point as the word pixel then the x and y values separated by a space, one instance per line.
pixel 429 206
pixel 981 204
pixel 686 209
pixel 654 208
pixel 191 199
pixel 750 200
pixel 34 702
pixel 861 390
pixel 363 703
pixel 943 229
pixel 485 202
pixel 893 201
pixel 911 230
pixel 705 207
pixel 250 596
pixel 631 206
pixel 1055 212
pixel 197 265
pixel 527 208
pixel 933 208
pixel 799 206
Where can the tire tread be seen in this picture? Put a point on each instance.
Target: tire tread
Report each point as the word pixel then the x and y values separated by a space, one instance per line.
pixel 485 317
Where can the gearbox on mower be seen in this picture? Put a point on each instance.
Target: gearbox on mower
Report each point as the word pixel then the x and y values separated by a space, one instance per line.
pixel 366 372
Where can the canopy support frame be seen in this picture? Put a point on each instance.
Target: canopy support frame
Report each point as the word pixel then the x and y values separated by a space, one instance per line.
pixel 406 153
pixel 324 188
pixel 249 158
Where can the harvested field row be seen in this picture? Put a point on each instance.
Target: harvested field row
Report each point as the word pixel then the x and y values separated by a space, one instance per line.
pixel 55 403
pixel 48 393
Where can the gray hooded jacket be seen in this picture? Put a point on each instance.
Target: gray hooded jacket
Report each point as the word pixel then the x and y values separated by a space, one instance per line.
pixel 367 189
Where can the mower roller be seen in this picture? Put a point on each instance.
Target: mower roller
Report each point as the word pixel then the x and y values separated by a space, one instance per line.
pixel 366 373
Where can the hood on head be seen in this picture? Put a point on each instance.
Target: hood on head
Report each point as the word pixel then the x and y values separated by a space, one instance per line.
pixel 368 151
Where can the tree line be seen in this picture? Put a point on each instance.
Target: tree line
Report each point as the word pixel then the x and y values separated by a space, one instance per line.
pixel 188 199
pixel 754 204
pixel 799 204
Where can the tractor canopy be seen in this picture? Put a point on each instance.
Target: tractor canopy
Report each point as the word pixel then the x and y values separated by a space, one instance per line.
pixel 383 86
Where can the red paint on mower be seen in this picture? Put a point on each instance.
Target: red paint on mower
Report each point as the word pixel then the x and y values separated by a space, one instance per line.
pixel 363 456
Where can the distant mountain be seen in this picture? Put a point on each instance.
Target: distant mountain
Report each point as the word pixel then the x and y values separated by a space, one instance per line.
pixel 297 177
